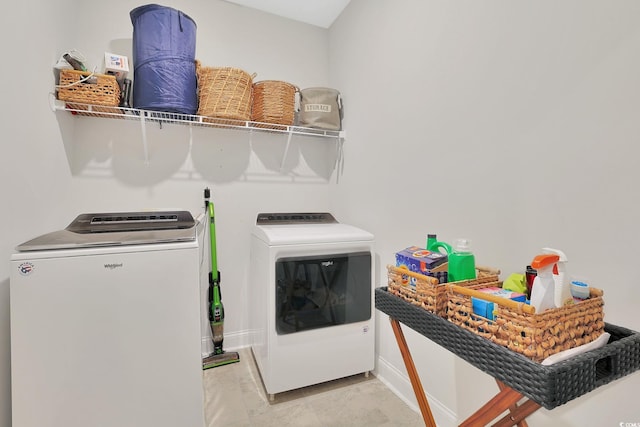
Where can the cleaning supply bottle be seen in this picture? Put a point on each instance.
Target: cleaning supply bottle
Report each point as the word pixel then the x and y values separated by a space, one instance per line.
pixel 435 246
pixel 542 293
pixel 562 292
pixel 530 274
pixel 462 263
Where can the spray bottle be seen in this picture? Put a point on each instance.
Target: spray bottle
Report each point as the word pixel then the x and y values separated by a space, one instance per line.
pixel 542 293
pixel 562 292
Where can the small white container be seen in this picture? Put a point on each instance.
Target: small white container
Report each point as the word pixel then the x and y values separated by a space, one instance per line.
pixel 117 65
pixel 579 290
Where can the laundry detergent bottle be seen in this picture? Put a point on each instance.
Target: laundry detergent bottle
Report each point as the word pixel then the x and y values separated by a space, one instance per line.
pixel 434 246
pixel 462 263
pixel 542 293
pixel 562 285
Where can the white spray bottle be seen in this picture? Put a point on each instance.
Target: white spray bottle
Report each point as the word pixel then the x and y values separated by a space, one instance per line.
pixel 562 293
pixel 542 292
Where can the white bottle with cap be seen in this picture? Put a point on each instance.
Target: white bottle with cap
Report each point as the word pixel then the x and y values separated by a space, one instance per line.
pixel 542 293
pixel 562 292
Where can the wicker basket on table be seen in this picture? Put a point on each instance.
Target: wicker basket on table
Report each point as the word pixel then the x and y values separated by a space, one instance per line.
pixel 224 94
pixel 426 292
pixel 518 327
pixel 99 93
pixel 273 104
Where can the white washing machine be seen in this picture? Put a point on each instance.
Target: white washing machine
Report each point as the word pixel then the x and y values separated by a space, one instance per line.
pixel 105 323
pixel 311 300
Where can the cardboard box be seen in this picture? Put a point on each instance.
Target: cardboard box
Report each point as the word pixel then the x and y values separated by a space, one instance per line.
pixel 116 65
pixel 485 308
pixel 419 260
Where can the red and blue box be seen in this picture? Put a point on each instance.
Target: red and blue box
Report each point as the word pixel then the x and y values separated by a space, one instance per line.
pixel 419 260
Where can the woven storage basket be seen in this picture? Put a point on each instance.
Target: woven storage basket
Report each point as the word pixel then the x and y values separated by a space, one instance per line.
pixel 427 292
pixel 273 102
pixel 224 93
pixel 103 91
pixel 517 327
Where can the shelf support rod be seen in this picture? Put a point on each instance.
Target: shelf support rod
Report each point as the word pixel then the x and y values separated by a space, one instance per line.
pixel 286 150
pixel 143 115
pixel 338 165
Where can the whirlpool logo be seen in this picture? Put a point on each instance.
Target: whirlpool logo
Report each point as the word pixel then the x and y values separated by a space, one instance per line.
pixel 113 266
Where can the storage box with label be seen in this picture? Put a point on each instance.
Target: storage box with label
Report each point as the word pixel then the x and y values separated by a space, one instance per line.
pixel 485 308
pixel 419 260
pixel 116 65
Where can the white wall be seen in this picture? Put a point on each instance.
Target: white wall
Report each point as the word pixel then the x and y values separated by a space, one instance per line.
pixel 513 124
pixel 54 166
pixel 33 171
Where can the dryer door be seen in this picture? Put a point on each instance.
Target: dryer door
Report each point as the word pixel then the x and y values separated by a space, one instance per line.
pixel 322 290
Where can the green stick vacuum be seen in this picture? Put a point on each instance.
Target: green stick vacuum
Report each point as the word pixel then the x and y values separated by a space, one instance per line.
pixel 219 357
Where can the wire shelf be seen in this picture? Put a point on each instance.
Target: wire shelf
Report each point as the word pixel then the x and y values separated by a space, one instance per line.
pixel 148 116
pixel 188 119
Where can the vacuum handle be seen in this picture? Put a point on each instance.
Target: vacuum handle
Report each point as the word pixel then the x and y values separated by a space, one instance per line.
pixel 212 237
pixel 212 284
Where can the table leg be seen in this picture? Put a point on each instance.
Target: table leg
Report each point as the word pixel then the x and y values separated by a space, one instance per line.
pixel 423 403
pixel 505 400
pixel 494 407
pixel 517 414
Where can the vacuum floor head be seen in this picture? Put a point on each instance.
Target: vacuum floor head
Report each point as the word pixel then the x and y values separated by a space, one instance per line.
pixel 220 359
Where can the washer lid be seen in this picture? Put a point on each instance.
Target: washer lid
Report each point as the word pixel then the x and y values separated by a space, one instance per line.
pixel 116 229
pixel 295 218
pixel 131 221
pixel 306 228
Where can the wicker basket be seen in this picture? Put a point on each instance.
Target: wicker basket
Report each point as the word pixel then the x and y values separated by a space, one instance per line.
pixel 517 326
pixel 224 93
pixel 427 292
pixel 274 103
pixel 100 90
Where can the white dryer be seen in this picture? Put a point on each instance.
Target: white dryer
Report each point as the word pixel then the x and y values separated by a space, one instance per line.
pixel 311 299
pixel 105 323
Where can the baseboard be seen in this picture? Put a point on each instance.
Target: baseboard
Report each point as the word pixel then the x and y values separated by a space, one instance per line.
pixel 400 385
pixel 232 342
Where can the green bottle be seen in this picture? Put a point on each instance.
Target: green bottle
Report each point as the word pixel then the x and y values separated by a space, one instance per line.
pixel 434 246
pixel 462 263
